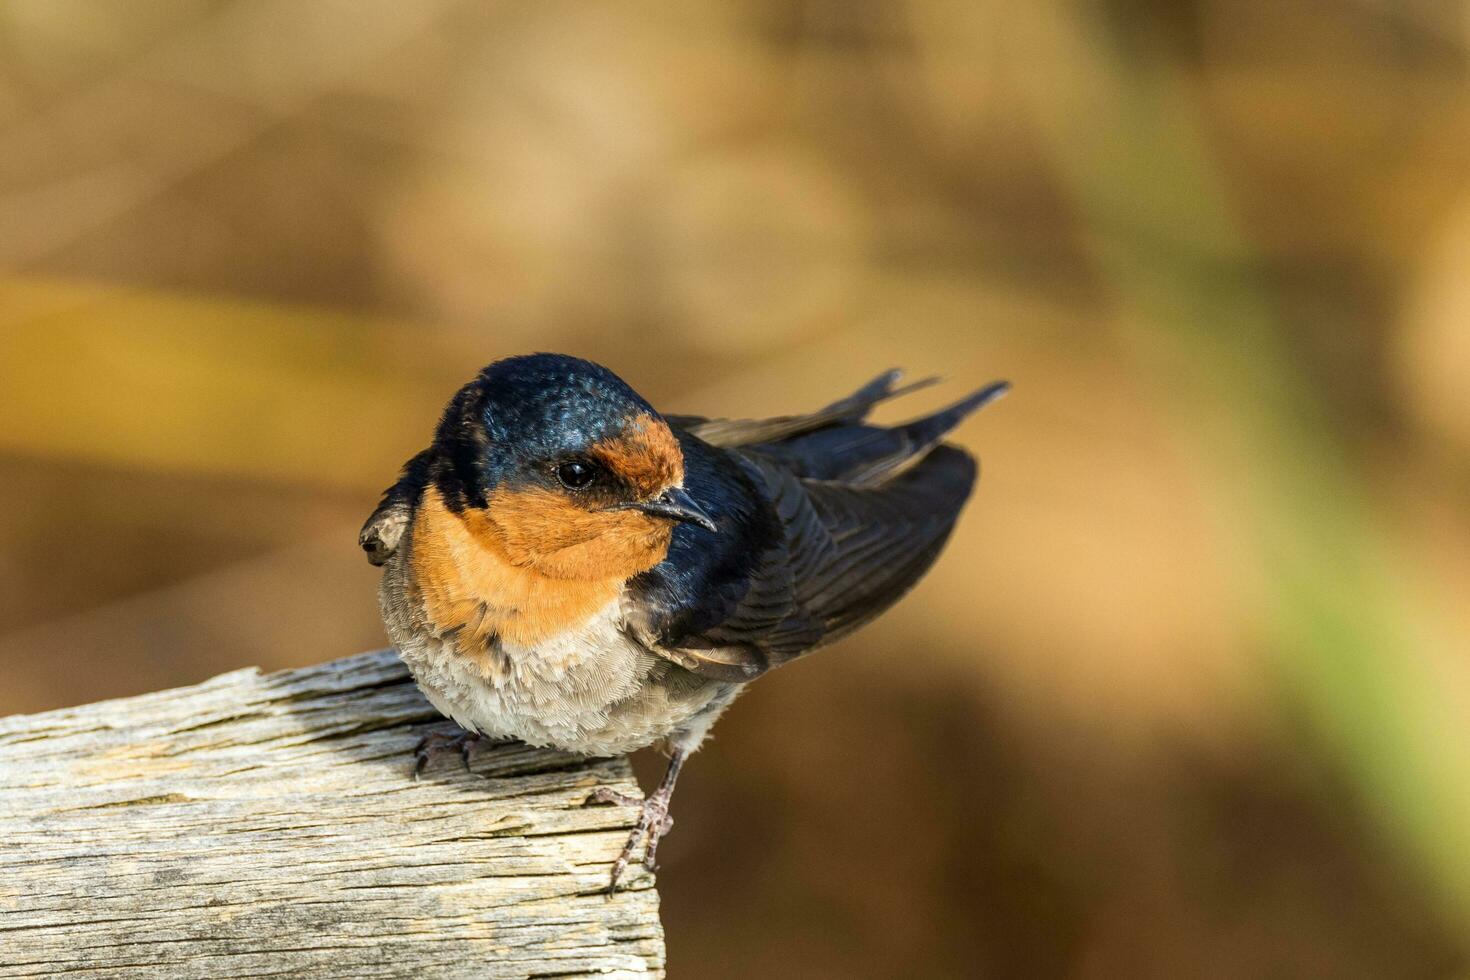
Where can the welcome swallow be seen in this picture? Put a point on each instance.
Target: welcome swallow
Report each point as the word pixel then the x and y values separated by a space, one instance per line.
pixel 566 566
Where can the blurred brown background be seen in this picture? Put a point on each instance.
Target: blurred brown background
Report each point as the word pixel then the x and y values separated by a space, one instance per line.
pixel 1188 694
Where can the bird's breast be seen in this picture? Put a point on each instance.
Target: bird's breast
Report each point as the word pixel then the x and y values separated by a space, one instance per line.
pixel 504 650
pixel 465 585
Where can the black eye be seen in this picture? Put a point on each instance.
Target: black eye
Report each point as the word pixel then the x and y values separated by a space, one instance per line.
pixel 574 475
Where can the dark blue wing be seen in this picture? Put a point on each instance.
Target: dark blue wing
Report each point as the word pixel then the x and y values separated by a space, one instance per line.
pixel 797 562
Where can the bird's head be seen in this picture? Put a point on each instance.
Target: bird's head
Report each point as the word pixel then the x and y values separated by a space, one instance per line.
pixel 565 469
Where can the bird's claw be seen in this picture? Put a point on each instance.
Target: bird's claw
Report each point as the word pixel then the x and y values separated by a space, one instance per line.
pixel 435 742
pixel 653 823
pixel 606 794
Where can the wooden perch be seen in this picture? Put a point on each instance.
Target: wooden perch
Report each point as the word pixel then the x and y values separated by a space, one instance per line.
pixel 267 825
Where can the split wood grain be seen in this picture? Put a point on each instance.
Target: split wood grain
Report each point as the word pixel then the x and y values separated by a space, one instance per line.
pixel 266 825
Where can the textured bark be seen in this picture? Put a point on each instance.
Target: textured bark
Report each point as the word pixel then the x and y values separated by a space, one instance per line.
pixel 267 825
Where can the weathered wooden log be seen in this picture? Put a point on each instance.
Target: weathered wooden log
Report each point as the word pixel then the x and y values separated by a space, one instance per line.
pixel 268 825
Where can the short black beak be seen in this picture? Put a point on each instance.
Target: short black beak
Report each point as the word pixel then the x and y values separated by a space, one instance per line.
pixel 676 504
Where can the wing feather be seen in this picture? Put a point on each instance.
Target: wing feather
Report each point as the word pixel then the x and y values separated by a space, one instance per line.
pixel 748 432
pixel 839 556
pixel 384 528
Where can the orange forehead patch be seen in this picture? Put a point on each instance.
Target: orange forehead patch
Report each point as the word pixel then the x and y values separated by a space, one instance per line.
pixel 645 454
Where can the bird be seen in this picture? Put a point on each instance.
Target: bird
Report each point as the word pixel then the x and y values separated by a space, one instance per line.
pixel 566 566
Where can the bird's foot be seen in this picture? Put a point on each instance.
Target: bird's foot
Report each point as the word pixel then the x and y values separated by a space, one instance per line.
pixel 434 743
pixel 653 822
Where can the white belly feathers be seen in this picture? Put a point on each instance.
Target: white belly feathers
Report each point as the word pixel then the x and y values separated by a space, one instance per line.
pixel 587 689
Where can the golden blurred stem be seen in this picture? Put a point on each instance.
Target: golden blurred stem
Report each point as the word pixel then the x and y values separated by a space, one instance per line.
pixel 1127 140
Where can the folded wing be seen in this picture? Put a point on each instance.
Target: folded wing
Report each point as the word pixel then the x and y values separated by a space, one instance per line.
pixel 822 529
